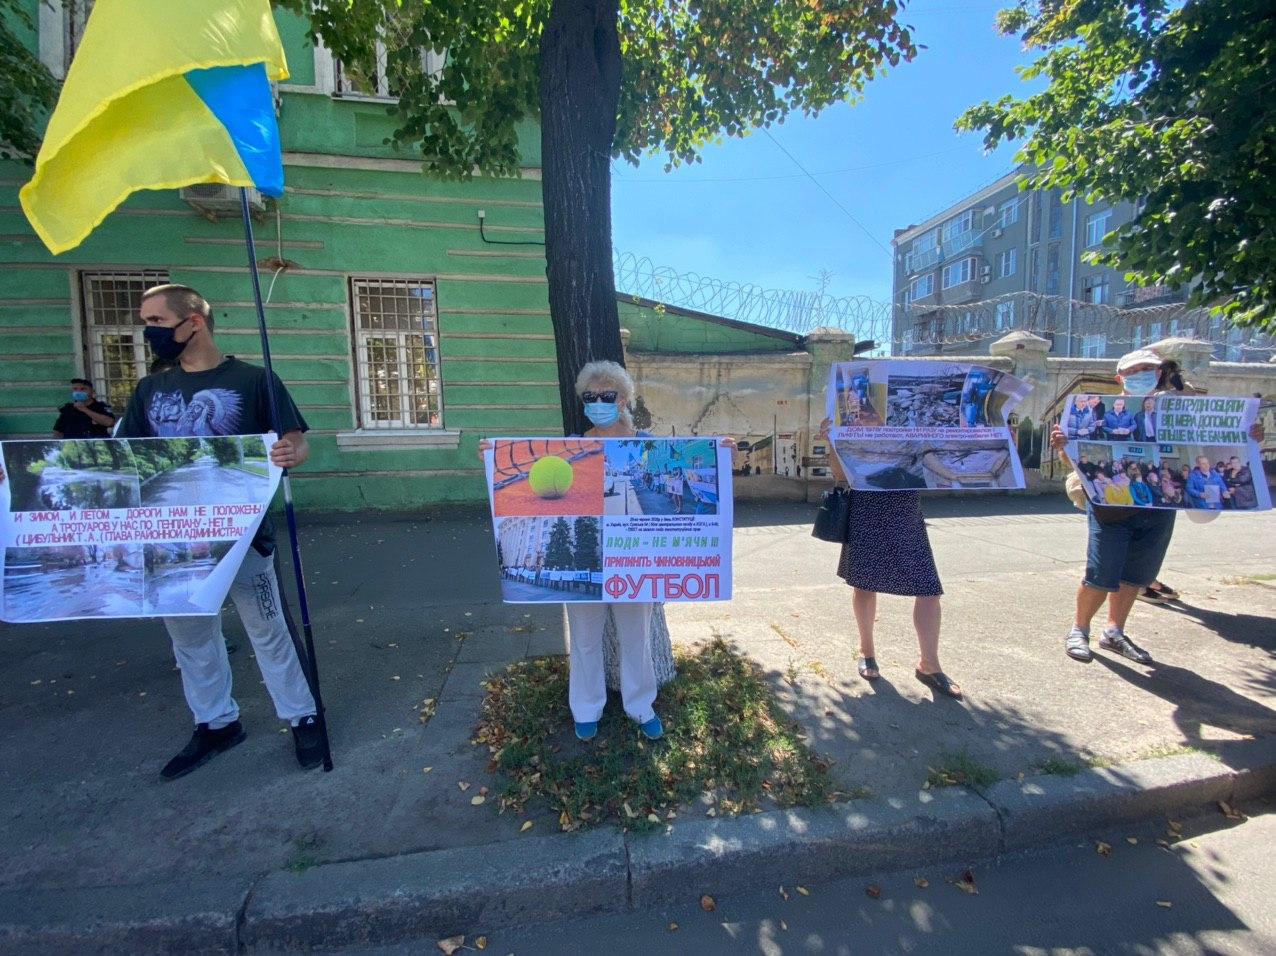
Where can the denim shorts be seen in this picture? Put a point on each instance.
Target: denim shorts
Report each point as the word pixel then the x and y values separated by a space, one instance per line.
pixel 1129 551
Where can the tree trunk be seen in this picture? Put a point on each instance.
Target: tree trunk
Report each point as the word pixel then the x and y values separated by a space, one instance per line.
pixel 580 92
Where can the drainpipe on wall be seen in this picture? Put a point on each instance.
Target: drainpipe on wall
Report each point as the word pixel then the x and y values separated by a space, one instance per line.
pixel 1072 271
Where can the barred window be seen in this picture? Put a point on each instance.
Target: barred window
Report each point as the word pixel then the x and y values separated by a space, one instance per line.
pixel 117 355
pixel 397 353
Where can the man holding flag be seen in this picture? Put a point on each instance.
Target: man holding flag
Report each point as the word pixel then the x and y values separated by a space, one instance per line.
pixel 209 394
pixel 196 107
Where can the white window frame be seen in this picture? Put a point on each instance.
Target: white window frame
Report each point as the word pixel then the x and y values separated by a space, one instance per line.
pixel 1096 227
pixel 959 225
pixel 365 337
pixel 1094 345
pixel 914 287
pixel 964 267
pixel 1096 290
pixel 101 325
pixel 906 341
pixel 1004 316
pixel 926 242
pixel 333 73
pixel 60 27
pixel 1009 262
pixel 1008 214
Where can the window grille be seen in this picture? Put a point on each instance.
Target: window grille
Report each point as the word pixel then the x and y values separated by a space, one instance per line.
pixel 117 353
pixel 396 344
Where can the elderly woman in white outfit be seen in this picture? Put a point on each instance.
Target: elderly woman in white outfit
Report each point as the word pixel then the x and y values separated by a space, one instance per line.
pixel 607 391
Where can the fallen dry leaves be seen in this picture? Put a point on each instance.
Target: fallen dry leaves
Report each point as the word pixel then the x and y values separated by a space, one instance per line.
pixel 527 825
pixel 1103 849
pixel 708 903
pixel 1230 811
pixel 803 890
pixel 921 882
pixel 451 944
pixel 967 883
pixel 874 891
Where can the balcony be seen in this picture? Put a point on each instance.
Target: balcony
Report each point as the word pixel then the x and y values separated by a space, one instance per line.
pixel 965 244
pixel 1142 296
pixel 916 262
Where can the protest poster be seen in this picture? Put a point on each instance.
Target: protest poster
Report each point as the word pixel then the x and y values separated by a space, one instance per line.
pixel 924 425
pixel 128 527
pixel 1183 452
pixel 613 520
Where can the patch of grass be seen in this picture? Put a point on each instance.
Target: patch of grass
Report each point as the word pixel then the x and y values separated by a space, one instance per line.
pixel 725 736
pixel 1059 767
pixel 1099 762
pixel 305 853
pixel 959 770
pixel 1262 580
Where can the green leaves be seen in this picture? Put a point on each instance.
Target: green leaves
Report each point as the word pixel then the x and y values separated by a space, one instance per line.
pixel 694 70
pixel 28 91
pixel 1170 107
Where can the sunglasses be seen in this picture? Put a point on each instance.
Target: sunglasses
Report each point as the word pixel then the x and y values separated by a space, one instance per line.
pixel 607 397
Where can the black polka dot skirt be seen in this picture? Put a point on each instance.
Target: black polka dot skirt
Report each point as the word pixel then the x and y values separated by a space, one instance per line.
pixel 888 550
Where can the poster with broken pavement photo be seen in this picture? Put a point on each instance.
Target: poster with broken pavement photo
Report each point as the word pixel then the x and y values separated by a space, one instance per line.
pixel 900 424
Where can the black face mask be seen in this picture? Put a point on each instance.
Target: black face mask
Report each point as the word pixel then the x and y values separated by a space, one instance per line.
pixel 163 341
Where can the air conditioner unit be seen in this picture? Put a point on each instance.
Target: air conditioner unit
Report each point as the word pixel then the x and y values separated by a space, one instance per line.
pixel 997 233
pixel 217 199
pixel 985 279
pixel 985 271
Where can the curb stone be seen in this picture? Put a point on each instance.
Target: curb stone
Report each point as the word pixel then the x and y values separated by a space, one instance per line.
pixel 199 916
pixel 791 846
pixel 439 893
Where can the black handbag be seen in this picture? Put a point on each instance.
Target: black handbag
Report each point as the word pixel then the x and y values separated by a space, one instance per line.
pixel 833 520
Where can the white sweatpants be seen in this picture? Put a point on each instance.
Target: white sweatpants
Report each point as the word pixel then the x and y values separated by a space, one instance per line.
pixel 200 650
pixel 587 686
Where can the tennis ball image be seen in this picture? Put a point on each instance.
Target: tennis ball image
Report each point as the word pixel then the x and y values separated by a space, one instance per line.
pixel 550 477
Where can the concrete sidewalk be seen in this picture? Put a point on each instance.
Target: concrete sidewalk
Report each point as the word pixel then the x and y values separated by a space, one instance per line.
pixel 407 610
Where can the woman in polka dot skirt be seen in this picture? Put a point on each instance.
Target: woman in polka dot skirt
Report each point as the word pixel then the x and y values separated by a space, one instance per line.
pixel 888 552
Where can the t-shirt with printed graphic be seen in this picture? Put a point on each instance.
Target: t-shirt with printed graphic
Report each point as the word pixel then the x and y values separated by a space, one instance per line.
pixel 230 399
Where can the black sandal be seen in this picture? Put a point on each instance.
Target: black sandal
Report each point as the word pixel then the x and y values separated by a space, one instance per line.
pixel 867 664
pixel 940 683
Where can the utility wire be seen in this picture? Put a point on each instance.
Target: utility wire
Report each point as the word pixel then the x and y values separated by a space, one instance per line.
pixel 831 197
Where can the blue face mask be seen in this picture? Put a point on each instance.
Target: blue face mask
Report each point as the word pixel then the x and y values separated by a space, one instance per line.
pixel 78 396
pixel 602 414
pixel 1140 383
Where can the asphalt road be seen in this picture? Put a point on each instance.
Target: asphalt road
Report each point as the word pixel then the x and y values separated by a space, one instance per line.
pixel 1061 901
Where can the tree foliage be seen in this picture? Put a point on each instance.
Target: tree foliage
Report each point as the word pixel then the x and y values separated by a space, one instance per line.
pixel 1168 105
pixel 27 89
pixel 692 71
pixel 585 556
pixel 558 552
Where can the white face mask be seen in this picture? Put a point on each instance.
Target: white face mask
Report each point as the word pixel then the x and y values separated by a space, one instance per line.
pixel 1140 383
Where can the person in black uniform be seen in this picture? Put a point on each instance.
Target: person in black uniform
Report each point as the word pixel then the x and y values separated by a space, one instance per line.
pixel 85 415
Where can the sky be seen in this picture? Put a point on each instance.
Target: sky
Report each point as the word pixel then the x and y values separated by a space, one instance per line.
pixel 748 214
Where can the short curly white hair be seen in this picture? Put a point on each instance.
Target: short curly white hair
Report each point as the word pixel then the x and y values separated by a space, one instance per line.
pixel 605 376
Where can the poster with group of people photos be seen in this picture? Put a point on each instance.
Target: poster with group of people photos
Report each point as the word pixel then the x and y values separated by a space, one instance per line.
pixel 1176 451
pixel 611 520
pixel 128 527
pixel 902 424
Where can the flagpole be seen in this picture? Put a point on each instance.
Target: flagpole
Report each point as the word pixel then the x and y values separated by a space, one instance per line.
pixel 308 663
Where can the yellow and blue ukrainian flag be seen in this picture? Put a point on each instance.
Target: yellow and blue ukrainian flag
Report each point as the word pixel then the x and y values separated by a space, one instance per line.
pixel 161 94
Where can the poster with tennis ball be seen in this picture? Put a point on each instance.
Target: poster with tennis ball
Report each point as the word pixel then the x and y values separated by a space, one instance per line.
pixel 614 520
pixel 547 477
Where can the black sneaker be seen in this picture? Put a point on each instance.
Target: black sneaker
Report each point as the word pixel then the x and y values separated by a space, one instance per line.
pixel 308 742
pixel 1116 641
pixel 204 744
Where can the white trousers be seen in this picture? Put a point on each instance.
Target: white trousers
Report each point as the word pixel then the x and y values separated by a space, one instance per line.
pixel 200 650
pixel 587 687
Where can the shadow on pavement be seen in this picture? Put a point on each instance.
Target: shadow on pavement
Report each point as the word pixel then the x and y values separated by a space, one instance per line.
pixel 1198 703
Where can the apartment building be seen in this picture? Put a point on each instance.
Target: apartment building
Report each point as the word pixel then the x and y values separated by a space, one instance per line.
pixel 980 268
